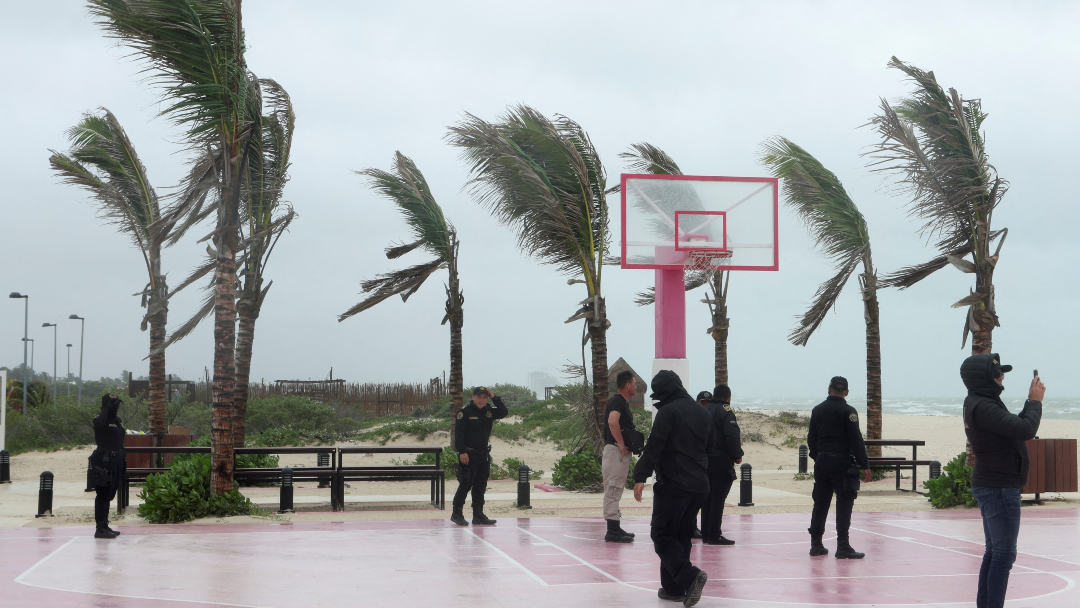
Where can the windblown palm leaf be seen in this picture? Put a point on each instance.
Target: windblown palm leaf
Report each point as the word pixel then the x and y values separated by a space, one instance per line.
pixel 830 216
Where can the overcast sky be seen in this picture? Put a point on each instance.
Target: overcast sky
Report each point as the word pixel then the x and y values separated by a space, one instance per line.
pixel 705 81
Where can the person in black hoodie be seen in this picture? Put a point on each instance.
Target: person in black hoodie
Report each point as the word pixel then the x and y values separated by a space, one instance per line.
pixel 108 462
pixel 678 452
pixel 727 452
pixel 1001 465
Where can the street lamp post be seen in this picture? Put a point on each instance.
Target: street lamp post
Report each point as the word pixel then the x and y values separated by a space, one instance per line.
pixel 67 378
pixel 26 334
pixel 82 340
pixel 31 341
pixel 54 395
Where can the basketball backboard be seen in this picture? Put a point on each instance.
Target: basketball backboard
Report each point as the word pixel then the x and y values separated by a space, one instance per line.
pixel 732 220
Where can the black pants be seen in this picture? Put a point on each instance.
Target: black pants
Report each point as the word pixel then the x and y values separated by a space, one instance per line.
pixel 472 477
pixel 712 512
pixel 673 518
pixel 829 475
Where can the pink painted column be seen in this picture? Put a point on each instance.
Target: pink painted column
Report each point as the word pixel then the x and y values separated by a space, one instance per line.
pixel 670 305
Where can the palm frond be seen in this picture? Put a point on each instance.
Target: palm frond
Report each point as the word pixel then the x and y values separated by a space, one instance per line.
pixel 403 282
pixel 544 180
pixel 910 275
pixel 819 199
pixel 825 298
pixel 182 332
pixel 692 280
pixel 406 187
pixel 646 158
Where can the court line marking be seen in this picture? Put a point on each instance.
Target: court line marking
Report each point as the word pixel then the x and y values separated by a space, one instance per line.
pixel 978 544
pixel 583 562
pixel 520 566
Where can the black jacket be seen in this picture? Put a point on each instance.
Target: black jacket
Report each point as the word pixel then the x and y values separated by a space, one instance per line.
pixel 108 430
pixel 680 441
pixel 473 429
pixel 727 446
pixel 996 435
pixel 834 427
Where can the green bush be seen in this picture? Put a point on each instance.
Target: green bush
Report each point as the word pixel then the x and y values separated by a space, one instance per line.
pixel 509 469
pixel 578 471
pixel 629 485
pixel 953 487
pixel 421 428
pixel 183 493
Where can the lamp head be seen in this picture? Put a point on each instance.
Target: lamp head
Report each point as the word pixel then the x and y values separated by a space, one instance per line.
pixel 48 324
pixel 68 345
pixel 27 339
pixel 77 317
pixel 16 294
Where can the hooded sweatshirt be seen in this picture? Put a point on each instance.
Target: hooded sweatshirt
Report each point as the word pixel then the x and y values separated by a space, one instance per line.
pixel 680 441
pixel 108 431
pixel 996 435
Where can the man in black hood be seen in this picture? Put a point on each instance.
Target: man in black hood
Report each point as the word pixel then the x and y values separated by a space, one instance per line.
pixel 678 452
pixel 108 462
pixel 1001 465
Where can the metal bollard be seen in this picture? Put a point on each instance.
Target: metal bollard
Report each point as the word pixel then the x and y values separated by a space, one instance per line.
pixel 935 469
pixel 285 502
pixel 746 486
pixel 324 461
pixel 5 467
pixel 44 501
pixel 803 465
pixel 523 500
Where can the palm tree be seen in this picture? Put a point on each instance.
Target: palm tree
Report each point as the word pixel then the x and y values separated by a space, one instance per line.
pixel 103 161
pixel 647 158
pixel 195 51
pixel 839 230
pixel 544 179
pixel 931 142
pixel 406 187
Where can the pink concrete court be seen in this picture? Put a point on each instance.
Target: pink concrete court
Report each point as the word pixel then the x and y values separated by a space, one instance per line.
pixel 921 558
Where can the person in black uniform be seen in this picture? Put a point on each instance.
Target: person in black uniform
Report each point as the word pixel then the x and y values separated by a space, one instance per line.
pixel 471 438
pixel 727 452
pixel 678 452
pixel 108 462
pixel 836 446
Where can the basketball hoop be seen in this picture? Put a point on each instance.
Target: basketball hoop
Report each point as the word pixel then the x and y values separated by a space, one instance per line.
pixel 698 260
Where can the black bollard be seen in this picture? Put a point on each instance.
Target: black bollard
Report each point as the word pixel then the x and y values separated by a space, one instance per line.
pixel 523 501
pixel 324 461
pixel 935 469
pixel 44 501
pixel 803 465
pixel 746 486
pixel 5 467
pixel 285 502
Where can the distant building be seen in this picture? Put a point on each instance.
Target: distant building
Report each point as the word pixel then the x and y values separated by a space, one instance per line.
pixel 638 402
pixel 538 381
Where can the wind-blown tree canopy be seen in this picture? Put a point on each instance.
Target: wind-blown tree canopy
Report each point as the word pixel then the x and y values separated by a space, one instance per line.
pixel 103 161
pixel 194 51
pixel 839 231
pixel 931 143
pixel 647 158
pixel 406 187
pixel 544 180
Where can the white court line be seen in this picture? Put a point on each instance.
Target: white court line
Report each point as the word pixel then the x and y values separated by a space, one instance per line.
pixel 980 545
pixel 583 562
pixel 520 566
pixel 19 579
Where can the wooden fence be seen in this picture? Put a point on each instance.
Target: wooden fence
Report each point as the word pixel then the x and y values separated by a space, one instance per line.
pixel 371 398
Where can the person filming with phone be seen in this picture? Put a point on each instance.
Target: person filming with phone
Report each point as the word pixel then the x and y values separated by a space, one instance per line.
pixel 997 439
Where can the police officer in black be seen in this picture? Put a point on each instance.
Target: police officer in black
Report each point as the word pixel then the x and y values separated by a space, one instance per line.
pixel 836 446
pixel 472 433
pixel 108 462
pixel 727 452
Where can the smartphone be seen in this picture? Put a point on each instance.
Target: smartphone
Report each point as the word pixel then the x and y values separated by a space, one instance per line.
pixel 1036 373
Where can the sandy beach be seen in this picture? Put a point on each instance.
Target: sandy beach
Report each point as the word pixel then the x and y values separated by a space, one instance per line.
pixel 774 466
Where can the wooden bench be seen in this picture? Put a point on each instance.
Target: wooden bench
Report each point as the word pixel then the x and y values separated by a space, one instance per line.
pixel 432 473
pixel 899 463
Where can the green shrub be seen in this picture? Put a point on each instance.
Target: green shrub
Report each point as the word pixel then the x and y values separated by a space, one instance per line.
pixel 183 493
pixel 509 469
pixel 578 471
pixel 629 485
pixel 953 487
pixel 421 428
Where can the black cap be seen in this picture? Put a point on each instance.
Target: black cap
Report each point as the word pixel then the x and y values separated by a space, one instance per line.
pixel 996 366
pixel 838 383
pixel 480 390
pixel 703 396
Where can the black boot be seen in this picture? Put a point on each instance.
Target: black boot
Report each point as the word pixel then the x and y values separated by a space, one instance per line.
pixel 697 532
pixel 844 550
pixel 103 531
pixel 615 533
pixel 816 547
pixel 629 535
pixel 111 531
pixel 479 519
pixel 458 517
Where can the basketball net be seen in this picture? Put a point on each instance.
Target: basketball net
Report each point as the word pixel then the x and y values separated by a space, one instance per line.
pixel 706 260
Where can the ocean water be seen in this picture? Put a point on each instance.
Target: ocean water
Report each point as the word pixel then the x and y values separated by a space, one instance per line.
pixel 1058 409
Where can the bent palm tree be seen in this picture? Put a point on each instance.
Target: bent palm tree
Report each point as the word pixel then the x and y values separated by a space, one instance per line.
pixel 103 161
pixel 931 142
pixel 839 230
pixel 545 181
pixel 647 158
pixel 406 187
pixel 195 51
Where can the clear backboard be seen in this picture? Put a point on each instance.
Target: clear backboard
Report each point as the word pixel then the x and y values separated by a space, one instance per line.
pixel 727 223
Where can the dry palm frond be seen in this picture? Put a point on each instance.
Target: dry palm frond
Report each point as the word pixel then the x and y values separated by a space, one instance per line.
pixel 647 158
pixel 403 282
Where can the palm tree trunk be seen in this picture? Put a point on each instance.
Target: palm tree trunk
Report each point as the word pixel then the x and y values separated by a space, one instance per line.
pixel 221 457
pixel 157 376
pixel 456 316
pixel 873 355
pixel 598 336
pixel 719 329
pixel 245 336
